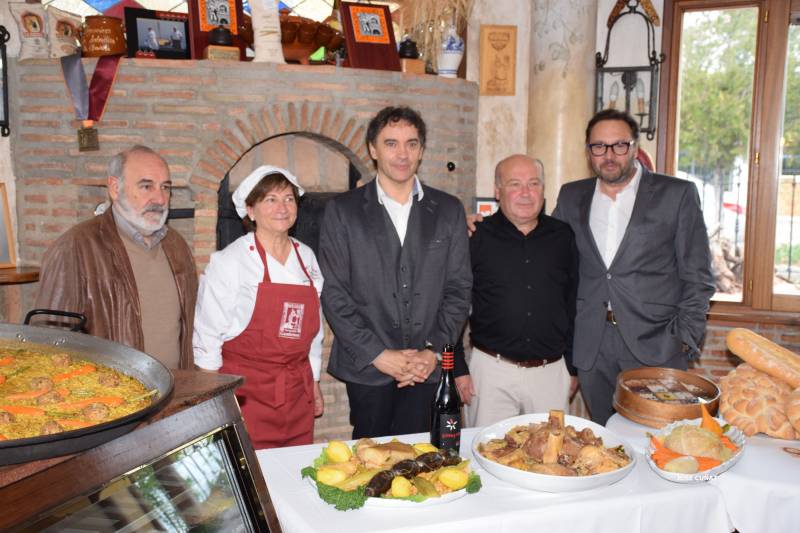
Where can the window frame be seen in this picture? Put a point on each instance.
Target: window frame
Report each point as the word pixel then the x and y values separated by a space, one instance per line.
pixel 759 302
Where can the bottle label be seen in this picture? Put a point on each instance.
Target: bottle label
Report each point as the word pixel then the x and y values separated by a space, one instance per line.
pixel 449 431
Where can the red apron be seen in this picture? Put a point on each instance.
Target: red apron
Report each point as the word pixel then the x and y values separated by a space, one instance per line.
pixel 277 398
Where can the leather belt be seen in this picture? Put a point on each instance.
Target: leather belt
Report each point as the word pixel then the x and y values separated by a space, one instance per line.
pixel 529 363
pixel 610 317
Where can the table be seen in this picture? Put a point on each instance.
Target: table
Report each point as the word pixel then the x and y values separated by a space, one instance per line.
pixel 641 502
pixel 761 491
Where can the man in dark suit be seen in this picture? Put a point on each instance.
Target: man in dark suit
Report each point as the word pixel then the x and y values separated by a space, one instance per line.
pixel 395 258
pixel 645 272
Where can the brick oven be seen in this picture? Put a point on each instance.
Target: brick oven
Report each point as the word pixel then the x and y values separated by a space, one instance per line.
pixel 212 119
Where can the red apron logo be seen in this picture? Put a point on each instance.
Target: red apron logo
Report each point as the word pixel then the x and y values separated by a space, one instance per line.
pixel 291 321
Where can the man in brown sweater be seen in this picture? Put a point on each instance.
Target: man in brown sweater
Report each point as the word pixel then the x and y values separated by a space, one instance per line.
pixel 131 275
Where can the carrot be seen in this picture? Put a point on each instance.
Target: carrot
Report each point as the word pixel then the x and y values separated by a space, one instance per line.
pixel 2 379
pixel 68 423
pixel 63 391
pixel 3 437
pixel 7 360
pixel 709 422
pixel 706 463
pixel 22 410
pixel 728 444
pixel 31 394
pixel 85 369
pixel 110 401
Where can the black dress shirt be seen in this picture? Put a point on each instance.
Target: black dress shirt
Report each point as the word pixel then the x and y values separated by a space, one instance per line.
pixel 523 291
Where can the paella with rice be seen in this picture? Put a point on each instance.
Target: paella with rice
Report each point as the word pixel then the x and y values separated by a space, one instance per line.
pixel 48 393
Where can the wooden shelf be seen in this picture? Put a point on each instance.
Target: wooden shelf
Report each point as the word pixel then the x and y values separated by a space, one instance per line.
pixel 20 274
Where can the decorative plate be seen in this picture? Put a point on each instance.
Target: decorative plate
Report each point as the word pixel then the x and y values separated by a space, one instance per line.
pixel 733 433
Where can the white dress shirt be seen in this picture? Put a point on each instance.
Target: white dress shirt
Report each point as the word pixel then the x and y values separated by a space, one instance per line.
pixel 399 213
pixel 226 297
pixel 608 219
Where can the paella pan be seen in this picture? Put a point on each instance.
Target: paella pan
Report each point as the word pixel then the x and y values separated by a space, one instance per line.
pixel 65 392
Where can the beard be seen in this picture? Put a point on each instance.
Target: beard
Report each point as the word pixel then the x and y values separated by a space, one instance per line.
pixel 614 174
pixel 139 220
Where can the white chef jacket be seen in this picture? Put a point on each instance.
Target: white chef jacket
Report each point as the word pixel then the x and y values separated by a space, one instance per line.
pixel 226 297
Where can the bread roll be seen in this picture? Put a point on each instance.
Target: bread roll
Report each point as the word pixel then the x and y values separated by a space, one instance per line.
pixel 755 403
pixel 793 409
pixel 765 355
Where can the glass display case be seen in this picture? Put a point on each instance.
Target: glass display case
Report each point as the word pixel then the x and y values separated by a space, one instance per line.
pixel 190 467
pixel 197 487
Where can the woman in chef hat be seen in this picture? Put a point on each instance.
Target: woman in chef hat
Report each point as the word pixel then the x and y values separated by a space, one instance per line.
pixel 258 314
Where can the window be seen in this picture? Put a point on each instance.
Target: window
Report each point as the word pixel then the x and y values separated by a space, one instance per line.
pixel 730 123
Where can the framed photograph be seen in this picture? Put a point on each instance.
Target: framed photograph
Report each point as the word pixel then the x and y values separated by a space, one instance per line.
pixel 498 60
pixel 485 206
pixel 160 34
pixel 207 15
pixel 369 37
pixel 8 258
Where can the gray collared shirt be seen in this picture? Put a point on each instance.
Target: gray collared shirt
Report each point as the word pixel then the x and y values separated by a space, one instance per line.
pixel 127 229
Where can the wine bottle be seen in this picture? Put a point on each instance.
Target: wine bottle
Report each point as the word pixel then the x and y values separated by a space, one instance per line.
pixel 446 408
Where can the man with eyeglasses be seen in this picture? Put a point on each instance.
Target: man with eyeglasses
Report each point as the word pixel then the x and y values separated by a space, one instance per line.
pixel 525 277
pixel 645 276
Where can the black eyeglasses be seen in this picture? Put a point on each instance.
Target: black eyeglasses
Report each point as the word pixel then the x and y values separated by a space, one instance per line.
pixel 619 148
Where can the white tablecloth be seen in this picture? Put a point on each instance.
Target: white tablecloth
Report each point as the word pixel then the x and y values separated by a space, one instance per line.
pixel 641 502
pixel 761 491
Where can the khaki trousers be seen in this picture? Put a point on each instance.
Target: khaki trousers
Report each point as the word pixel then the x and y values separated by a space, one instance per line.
pixel 504 389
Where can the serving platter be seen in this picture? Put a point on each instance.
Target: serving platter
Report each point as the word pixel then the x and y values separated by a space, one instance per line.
pixel 394 503
pixel 545 482
pixel 733 433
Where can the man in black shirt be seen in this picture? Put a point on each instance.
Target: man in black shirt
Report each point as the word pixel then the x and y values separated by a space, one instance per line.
pixel 525 276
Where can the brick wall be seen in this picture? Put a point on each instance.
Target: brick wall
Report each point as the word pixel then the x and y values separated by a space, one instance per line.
pixel 207 118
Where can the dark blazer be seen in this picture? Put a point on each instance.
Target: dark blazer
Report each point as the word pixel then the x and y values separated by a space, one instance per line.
pixel 660 281
pixel 379 295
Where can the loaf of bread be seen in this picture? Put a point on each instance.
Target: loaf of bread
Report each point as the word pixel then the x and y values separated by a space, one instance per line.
pixel 765 355
pixel 755 402
pixel 793 410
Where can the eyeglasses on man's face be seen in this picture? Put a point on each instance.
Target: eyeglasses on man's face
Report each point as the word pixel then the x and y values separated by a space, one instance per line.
pixel 619 148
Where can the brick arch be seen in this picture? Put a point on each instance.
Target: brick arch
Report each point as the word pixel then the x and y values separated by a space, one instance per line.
pixel 338 129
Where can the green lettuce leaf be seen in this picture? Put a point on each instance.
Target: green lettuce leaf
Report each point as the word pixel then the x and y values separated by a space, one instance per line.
pixel 473 483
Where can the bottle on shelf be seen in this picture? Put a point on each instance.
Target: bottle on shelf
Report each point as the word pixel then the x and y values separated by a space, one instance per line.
pixel 446 408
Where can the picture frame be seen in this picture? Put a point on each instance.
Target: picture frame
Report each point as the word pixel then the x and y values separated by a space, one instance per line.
pixel 498 60
pixel 207 15
pixel 8 256
pixel 486 205
pixel 369 36
pixel 159 34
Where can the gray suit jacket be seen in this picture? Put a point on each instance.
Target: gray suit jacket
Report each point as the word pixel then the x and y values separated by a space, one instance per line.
pixel 660 281
pixel 379 295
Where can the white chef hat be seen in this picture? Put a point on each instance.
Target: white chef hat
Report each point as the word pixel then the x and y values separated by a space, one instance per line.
pixel 243 190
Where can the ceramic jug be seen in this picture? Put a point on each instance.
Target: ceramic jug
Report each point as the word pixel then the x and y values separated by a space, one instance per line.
pixel 451 53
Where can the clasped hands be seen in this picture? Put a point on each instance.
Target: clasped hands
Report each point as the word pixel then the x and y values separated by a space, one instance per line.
pixel 407 367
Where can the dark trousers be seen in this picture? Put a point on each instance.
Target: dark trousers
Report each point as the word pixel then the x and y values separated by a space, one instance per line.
pixel 598 383
pixel 377 411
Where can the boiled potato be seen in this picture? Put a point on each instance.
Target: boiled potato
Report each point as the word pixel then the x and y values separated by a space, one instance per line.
pixel 330 476
pixel 453 478
pixel 682 465
pixel 424 447
pixel 401 487
pixel 338 452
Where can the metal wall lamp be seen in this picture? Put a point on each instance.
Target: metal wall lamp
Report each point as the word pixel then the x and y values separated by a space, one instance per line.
pixel 639 85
